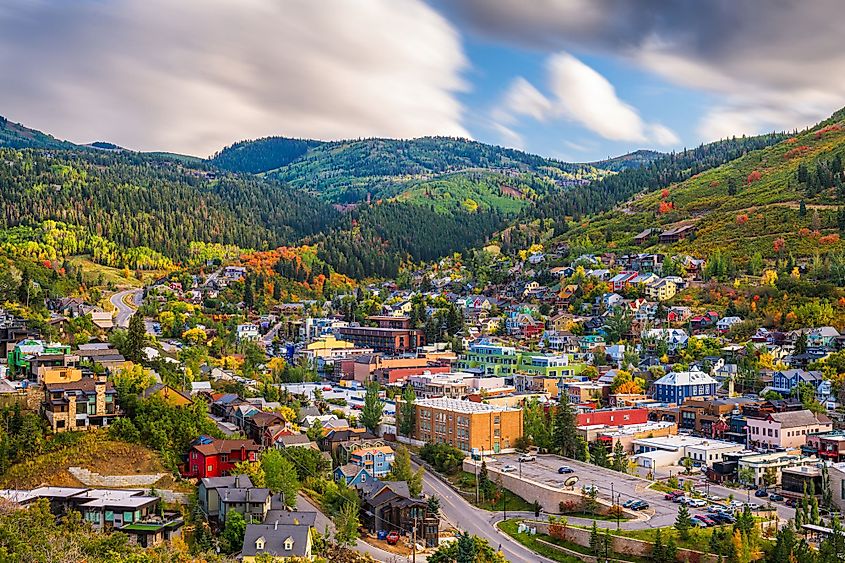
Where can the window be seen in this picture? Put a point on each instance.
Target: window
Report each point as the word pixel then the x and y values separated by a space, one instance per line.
pixel 259 544
pixel 127 517
pixel 288 544
pixel 495 420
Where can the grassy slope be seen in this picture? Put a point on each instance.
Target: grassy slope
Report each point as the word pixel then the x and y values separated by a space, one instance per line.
pixel 92 450
pixel 771 204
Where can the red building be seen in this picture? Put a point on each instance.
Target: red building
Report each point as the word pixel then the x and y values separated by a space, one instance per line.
pixel 387 340
pixel 612 417
pixel 392 375
pixel 215 458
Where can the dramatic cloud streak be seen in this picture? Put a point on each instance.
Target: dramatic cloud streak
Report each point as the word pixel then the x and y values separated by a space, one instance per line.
pixel 769 65
pixel 195 75
pixel 582 95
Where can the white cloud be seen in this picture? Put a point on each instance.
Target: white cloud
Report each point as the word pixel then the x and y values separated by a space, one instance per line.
pixel 766 67
pixel 580 94
pixel 195 75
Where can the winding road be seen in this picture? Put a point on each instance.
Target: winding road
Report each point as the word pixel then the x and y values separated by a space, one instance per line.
pixel 126 302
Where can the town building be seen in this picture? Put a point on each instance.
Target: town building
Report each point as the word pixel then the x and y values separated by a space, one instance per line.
pixel 89 402
pixel 666 451
pixel 467 425
pixel 677 386
pixel 213 457
pixel 785 430
pixel 377 460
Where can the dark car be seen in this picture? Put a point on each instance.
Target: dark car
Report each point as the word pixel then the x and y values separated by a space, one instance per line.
pixel 791 502
pixel 775 497
pixel 722 518
pixel 629 503
pixel 639 505
pixel 761 493
pixel 565 469
pixel 673 495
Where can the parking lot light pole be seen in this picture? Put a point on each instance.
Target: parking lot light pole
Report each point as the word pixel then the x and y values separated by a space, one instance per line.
pixel 618 510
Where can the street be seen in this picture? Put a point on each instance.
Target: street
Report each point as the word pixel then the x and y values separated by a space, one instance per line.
pixel 464 516
pixel 121 300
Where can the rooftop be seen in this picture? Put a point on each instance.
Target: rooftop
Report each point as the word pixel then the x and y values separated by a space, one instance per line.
pixel 457 405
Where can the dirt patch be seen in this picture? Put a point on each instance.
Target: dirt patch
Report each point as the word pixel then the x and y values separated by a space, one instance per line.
pixel 93 451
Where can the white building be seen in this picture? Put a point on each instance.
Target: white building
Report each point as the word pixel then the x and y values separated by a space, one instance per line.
pixel 666 451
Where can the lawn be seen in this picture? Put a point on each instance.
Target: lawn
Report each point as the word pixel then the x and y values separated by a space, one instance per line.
pixel 112 276
pixel 465 482
pixel 510 527
pixel 590 516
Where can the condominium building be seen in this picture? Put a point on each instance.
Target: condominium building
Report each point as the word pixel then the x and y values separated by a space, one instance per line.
pixel 467 425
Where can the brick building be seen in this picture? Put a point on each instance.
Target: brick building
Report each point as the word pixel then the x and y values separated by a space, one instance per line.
pixel 467 425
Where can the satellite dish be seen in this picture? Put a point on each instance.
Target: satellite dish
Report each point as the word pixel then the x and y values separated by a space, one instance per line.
pixel 570 481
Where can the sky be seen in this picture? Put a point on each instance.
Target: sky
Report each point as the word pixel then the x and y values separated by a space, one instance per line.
pixel 578 80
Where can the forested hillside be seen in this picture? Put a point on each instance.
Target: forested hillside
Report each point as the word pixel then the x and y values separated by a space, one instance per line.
pixel 351 171
pixel 135 200
pixel 784 201
pixel 17 136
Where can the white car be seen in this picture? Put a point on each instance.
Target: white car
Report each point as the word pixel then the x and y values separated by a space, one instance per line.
pixel 508 468
pixel 527 457
pixel 696 503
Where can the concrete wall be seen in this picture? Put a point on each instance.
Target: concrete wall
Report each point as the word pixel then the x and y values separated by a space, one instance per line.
pixel 549 497
pixel 621 545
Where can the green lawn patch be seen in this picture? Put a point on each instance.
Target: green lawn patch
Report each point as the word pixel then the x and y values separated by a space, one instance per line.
pixel 465 482
pixel 510 527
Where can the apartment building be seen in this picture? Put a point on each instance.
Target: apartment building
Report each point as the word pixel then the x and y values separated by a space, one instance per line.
pixel 467 425
pixel 78 405
pixel 785 430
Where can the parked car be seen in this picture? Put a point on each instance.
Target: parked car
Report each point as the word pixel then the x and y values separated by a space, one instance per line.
pixel 705 519
pixel 714 498
pixel 565 469
pixel 639 505
pixel 393 537
pixel 698 523
pixel 508 468
pixel 526 457
pixel 591 488
pixel 696 503
pixel 752 505
pixel 776 497
pixel 680 499
pixel 761 493
pixel 673 495
pixel 722 518
pixel 628 503
pixel 791 502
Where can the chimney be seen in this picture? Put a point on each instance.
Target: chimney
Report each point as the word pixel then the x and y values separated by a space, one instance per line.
pixel 276 525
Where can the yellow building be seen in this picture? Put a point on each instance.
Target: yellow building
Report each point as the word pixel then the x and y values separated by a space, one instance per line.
pixel 661 290
pixel 168 394
pixel 59 374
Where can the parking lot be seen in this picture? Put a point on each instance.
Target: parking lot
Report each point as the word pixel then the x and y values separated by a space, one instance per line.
pixel 661 512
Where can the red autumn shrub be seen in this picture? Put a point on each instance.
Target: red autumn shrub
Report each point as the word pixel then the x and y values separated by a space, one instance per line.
pixel 741 219
pixel 753 177
pixel 829 239
pixel 779 244
pixel 797 151
pixel 666 206
pixel 664 193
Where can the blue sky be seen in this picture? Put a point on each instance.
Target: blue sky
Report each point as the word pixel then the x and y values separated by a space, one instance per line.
pixel 579 80
pixel 495 66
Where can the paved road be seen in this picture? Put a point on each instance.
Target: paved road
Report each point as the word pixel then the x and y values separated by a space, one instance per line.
pixel 464 516
pixel 124 311
pixel 323 523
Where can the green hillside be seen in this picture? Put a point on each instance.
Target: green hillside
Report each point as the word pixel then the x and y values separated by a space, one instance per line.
pixel 15 135
pixel 355 170
pixel 759 202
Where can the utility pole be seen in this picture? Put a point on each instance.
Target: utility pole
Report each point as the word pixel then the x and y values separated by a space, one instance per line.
pixel 618 510
pixel 414 539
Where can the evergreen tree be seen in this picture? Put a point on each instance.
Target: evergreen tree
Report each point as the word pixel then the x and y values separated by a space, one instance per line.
pixel 595 540
pixel 407 411
pixel 566 439
pixel 135 338
pixel 373 409
pixel 619 457
pixel 683 522
pixel 467 549
pixel 249 295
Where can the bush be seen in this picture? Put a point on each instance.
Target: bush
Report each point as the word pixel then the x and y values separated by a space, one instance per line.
pixel 443 457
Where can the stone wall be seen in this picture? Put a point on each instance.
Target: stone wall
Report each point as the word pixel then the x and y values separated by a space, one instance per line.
pixel 621 545
pixel 92 479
